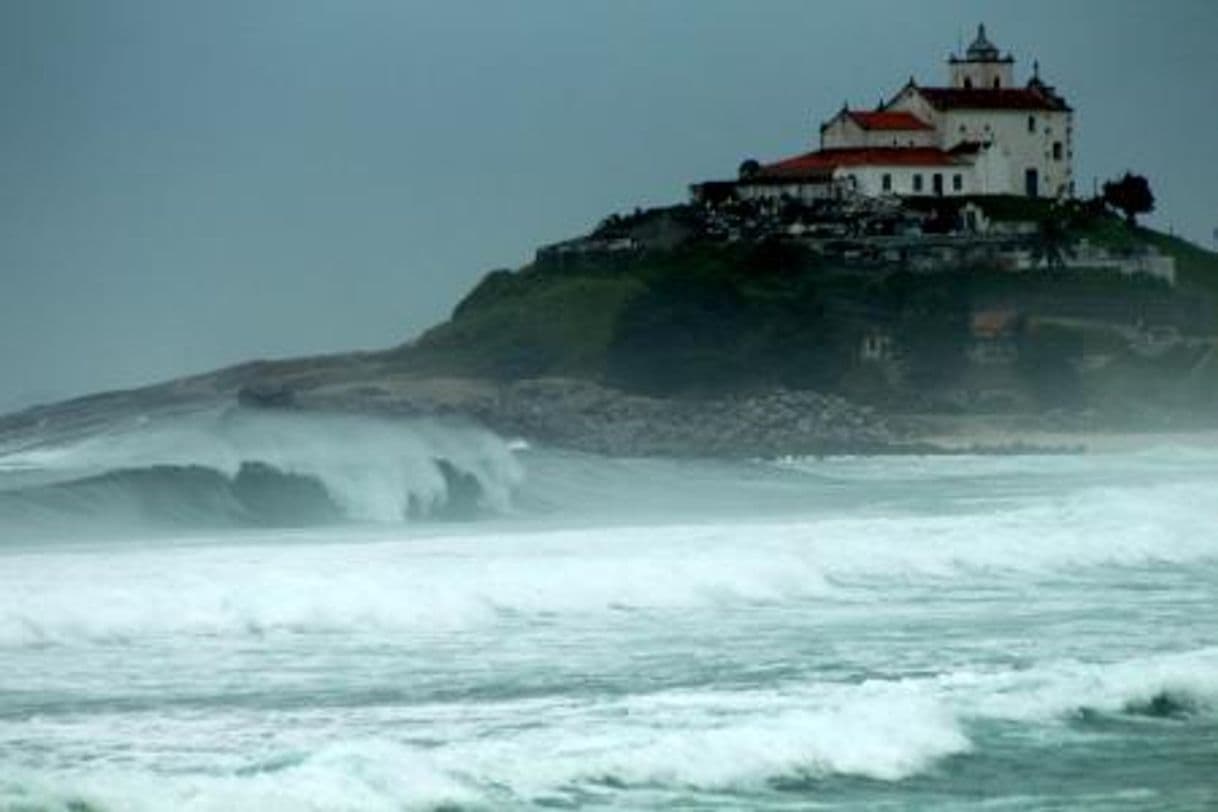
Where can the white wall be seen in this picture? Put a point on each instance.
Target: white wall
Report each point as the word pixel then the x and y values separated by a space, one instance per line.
pixel 1008 130
pixel 841 132
pixel 992 173
pixel 1022 148
pixel 845 133
pixel 910 101
pixel 869 180
pixel 982 74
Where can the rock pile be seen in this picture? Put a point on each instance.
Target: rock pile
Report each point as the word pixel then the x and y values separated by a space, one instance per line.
pixel 588 417
pixel 585 416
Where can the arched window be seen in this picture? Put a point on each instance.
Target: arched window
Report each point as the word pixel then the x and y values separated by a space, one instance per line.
pixel 968 83
pixel 997 81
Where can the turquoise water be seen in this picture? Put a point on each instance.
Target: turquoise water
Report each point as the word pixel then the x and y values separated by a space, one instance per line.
pixel 952 633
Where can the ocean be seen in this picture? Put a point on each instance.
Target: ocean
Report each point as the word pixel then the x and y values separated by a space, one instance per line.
pixel 250 611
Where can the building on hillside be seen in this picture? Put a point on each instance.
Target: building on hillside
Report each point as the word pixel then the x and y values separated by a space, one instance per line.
pixel 981 135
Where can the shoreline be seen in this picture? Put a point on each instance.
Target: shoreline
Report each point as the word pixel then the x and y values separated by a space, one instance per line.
pixel 965 434
pixel 581 415
pixel 1093 442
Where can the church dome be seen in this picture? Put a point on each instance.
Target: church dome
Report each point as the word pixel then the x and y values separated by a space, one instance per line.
pixel 982 50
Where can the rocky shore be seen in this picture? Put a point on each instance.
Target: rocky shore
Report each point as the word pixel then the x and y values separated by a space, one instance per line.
pixel 590 418
pixel 571 413
pixel 585 416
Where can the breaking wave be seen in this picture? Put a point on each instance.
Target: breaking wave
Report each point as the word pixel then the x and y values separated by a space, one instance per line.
pixel 379 582
pixel 260 468
pixel 880 741
pixel 647 746
pixel 368 776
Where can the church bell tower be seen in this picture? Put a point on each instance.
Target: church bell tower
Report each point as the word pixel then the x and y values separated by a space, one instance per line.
pixel 982 66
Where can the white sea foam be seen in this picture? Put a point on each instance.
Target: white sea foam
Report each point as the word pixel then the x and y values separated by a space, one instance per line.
pixel 457 579
pixel 507 754
pixel 368 776
pixel 849 733
pixel 1060 690
pixel 530 659
pixel 882 729
pixel 886 736
pixel 445 582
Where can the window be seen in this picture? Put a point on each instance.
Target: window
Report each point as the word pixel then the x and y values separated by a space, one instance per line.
pixel 1057 150
pixel 1031 124
pixel 957 182
pixel 886 182
pixel 997 82
pixel 917 183
pixel 968 83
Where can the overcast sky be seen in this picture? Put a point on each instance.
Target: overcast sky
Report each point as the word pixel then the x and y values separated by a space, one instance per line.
pixel 185 185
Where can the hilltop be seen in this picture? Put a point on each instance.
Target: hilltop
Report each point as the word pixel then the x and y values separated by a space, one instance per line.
pixel 927 271
pixel 651 304
pixel 662 332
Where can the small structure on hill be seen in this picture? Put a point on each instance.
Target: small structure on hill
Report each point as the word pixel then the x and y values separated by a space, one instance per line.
pixel 975 173
pixel 981 135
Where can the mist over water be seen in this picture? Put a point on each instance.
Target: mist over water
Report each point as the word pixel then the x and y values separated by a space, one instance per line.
pixel 233 610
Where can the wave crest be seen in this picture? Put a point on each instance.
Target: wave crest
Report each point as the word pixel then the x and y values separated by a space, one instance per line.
pixel 264 468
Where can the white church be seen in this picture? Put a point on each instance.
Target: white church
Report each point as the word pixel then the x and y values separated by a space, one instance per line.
pixel 981 135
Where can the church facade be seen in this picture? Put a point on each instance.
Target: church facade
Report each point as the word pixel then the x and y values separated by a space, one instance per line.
pixel 981 134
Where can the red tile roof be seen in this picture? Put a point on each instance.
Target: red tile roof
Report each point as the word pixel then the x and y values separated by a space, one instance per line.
pixel 1006 98
pixel 880 120
pixel 821 163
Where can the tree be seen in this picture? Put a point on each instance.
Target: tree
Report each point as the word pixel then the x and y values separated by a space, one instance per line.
pixel 1130 195
pixel 749 168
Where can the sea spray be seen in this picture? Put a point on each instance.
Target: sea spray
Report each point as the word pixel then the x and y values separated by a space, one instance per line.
pixel 251 467
pixel 1034 633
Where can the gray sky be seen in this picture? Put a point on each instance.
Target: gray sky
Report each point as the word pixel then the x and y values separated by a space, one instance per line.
pixel 189 184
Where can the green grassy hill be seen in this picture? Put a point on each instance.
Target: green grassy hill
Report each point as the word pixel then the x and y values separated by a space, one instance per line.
pixel 708 318
pixel 701 318
pixel 526 324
